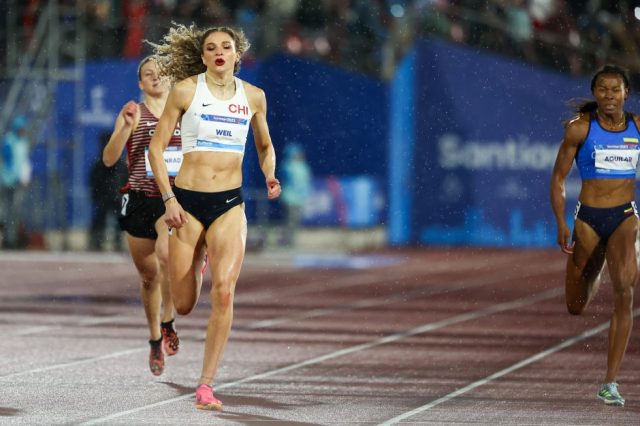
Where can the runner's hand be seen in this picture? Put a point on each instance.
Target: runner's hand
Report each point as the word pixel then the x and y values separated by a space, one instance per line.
pixel 564 239
pixel 129 111
pixel 273 188
pixel 174 215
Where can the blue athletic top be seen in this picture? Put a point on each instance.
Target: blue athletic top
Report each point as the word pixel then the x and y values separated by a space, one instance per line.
pixel 607 154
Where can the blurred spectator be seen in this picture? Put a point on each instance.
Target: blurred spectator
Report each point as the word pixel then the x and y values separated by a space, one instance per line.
pixel 32 9
pixel 15 178
pixel 431 17
pixel 247 16
pixel 104 40
pixel 368 31
pixel 159 20
pixel 370 36
pixel 296 189
pixel 105 183
pixel 210 13
pixel 312 14
pixel 274 19
pixel 135 12
pixel 555 28
pixel 520 29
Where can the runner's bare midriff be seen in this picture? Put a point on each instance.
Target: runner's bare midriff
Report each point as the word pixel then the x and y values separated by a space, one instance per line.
pixel 210 171
pixel 606 193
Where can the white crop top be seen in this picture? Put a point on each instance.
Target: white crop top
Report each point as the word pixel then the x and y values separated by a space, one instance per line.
pixel 211 124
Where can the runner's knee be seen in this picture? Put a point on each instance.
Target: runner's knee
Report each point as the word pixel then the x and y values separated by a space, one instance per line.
pixel 148 280
pixel 222 293
pixel 623 295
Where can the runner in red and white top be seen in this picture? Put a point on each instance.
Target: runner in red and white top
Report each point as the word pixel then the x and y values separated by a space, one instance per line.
pixel 140 176
pixel 142 210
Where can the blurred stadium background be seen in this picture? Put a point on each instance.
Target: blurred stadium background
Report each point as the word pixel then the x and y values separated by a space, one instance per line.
pixel 424 122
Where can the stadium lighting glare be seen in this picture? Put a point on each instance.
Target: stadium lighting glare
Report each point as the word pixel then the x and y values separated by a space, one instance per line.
pixel 397 11
pixel 636 13
pixel 294 45
pixel 322 45
pixel 574 38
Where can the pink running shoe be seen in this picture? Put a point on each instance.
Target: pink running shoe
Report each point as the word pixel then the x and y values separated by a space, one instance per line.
pixel 156 360
pixel 170 340
pixel 205 399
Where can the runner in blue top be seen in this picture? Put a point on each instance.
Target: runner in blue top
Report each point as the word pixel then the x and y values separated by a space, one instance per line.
pixel 604 141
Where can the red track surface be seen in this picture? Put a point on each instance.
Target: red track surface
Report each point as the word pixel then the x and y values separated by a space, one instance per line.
pixel 438 337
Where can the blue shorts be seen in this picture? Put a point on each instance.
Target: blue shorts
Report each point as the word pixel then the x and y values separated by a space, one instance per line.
pixel 206 207
pixel 605 220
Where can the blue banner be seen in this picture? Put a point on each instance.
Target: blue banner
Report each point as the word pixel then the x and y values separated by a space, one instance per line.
pixel 484 133
pixel 338 117
pixel 108 86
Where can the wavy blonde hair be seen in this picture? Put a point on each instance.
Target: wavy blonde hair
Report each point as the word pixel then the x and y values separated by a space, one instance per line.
pixel 179 54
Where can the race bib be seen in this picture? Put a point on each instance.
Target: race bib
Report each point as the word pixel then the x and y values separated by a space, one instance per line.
pixel 616 158
pixel 172 159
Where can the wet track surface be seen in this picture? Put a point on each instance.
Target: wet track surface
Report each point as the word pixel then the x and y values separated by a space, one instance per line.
pixel 414 336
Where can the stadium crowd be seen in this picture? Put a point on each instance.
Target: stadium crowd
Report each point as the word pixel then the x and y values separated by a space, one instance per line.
pixel 573 36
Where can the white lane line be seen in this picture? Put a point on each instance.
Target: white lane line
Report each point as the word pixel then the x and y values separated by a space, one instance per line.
pixel 314 313
pixel 366 303
pixel 73 363
pixel 350 281
pixel 455 285
pixel 450 286
pixel 64 257
pixel 501 373
pixel 518 303
pixel 89 321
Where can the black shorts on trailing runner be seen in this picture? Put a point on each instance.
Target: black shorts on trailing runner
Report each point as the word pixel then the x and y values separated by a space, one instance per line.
pixel 604 221
pixel 206 207
pixel 139 213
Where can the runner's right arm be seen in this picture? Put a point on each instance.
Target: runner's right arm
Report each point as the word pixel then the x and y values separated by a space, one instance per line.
pixel 125 125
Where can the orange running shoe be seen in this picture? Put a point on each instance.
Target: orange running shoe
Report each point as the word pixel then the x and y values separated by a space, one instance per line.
pixel 156 358
pixel 170 340
pixel 205 399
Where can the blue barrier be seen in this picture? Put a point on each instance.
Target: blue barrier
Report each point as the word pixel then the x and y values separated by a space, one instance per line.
pixel 473 142
pixel 465 140
pixel 338 117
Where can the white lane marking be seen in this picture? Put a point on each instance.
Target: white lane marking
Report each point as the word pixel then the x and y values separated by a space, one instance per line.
pixel 345 283
pixel 367 303
pixel 64 257
pixel 81 323
pixel 349 281
pixel 501 373
pixel 450 286
pixel 73 363
pixel 518 303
